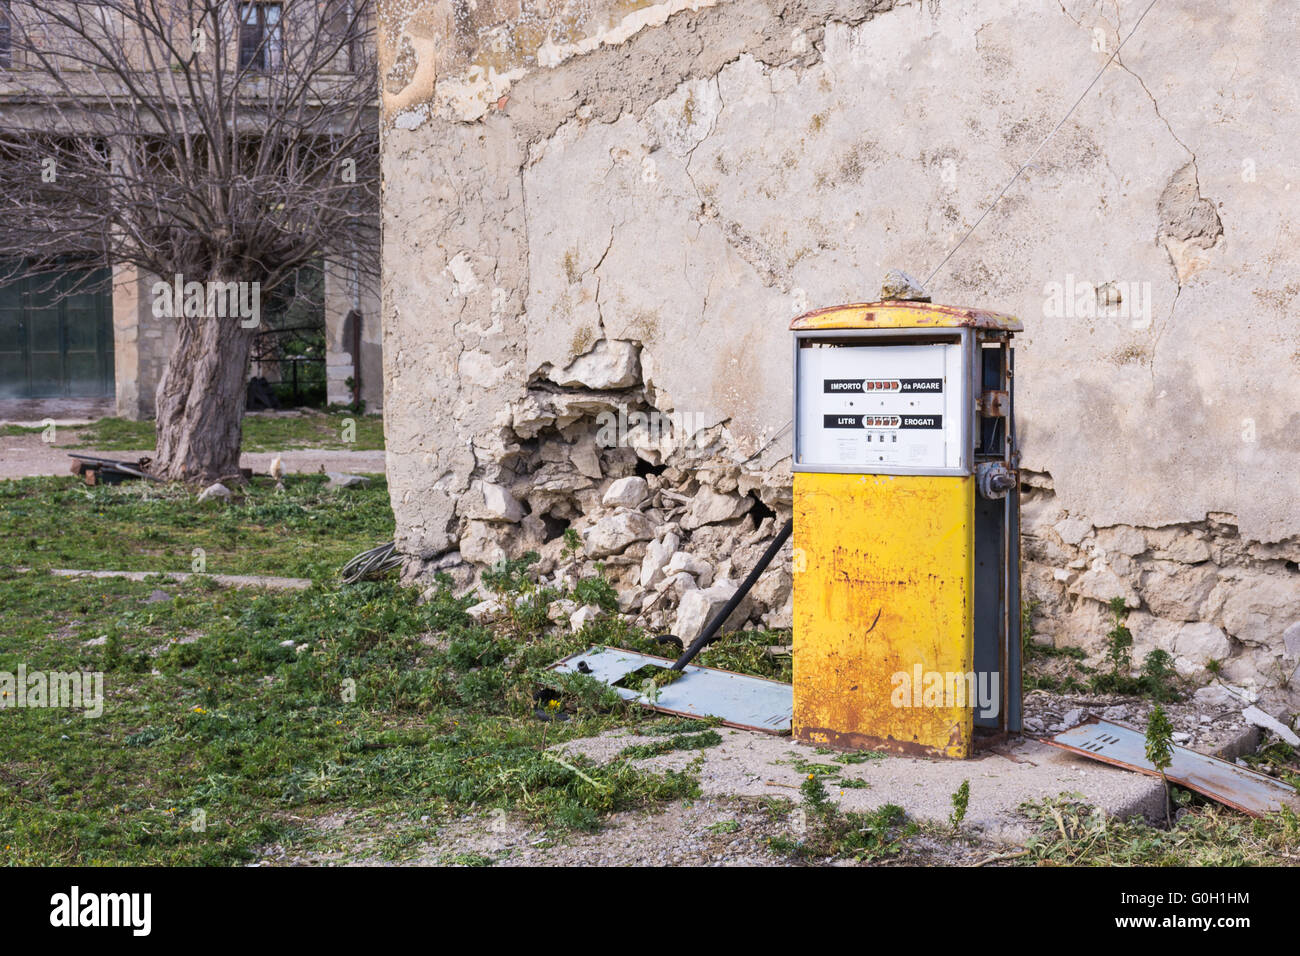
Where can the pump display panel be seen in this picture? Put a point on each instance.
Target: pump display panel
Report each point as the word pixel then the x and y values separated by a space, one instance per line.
pixel 880 408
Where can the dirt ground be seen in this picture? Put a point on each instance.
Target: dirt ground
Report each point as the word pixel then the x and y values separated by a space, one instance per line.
pixel 24 456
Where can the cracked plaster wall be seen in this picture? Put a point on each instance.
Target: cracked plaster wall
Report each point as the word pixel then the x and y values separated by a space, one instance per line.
pixel 657 188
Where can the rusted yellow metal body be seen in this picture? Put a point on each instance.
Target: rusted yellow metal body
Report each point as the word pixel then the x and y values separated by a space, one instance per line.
pixel 881 606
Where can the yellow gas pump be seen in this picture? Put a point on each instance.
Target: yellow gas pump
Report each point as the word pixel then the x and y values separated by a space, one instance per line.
pixel 906 528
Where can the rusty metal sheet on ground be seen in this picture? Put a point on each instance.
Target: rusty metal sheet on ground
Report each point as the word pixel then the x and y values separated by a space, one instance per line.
pixel 1238 787
pixel 739 700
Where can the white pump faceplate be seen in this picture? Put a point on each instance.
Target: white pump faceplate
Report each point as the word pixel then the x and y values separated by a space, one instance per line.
pixel 880 408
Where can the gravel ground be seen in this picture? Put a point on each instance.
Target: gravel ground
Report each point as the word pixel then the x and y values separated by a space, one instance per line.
pixel 725 831
pixel 750 784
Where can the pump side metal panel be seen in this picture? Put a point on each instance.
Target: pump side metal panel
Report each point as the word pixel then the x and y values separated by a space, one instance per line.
pixel 883 578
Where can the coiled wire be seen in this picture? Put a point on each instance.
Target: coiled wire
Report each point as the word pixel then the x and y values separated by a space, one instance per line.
pixel 371 563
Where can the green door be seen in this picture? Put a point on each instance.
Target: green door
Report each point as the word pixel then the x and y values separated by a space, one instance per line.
pixel 55 343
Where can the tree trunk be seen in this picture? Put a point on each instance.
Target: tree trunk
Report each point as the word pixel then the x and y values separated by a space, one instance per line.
pixel 200 401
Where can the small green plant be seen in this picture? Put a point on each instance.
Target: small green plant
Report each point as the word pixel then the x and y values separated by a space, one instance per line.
pixel 723 826
pixel 708 738
pixel 815 798
pixel 960 800
pixel 572 543
pixel 1158 676
pixel 1158 680
pixel 1160 748
pixel 596 590
pixel 830 833
pixel 510 575
pixel 1027 611
pixel 1119 640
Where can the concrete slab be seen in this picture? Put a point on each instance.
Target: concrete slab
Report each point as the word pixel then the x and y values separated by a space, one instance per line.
pixel 758 765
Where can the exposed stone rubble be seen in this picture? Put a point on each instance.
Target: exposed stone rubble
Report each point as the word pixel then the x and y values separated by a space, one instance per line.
pixel 1197 591
pixel 672 516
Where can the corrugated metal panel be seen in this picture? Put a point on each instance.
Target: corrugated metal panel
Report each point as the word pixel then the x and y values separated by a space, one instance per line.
pixel 1238 787
pixel 739 700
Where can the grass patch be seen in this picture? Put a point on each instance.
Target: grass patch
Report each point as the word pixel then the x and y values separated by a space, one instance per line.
pixel 305 531
pixel 234 718
pixel 261 433
pixel 746 653
pixel 279 708
pixel 709 738
pixel 677 725
pixel 1069 832
pixel 1063 670
pixel 829 833
pixel 649 679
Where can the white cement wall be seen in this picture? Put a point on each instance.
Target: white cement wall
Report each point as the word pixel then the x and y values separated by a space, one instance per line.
pixel 590 206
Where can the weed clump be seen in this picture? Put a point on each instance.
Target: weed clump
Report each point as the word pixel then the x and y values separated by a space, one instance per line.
pixel 822 830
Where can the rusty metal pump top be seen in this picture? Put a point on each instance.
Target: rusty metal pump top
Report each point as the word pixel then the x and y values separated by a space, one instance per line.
pixel 896 314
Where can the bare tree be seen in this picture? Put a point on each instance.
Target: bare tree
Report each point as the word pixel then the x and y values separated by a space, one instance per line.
pixel 218 145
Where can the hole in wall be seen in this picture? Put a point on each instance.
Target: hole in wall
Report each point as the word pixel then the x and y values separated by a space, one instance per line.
pixel 553 527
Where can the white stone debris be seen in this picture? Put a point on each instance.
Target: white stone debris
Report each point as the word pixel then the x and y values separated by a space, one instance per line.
pixel 710 507
pixel 627 492
pixel 484 612
pixel 216 490
pixel 339 479
pixel 613 533
pixel 1267 722
pixel 697 568
pixel 583 616
pixel 500 503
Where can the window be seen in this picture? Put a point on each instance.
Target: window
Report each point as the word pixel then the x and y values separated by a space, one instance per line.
pixel 339 26
pixel 6 35
pixel 261 38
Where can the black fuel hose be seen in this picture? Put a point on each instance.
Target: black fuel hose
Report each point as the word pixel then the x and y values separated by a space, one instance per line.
pixel 706 636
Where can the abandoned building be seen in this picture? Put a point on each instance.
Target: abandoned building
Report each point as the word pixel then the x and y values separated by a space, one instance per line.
pixel 108 340
pixel 599 221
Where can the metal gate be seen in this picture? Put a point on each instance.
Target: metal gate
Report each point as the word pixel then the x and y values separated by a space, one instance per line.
pixel 56 343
